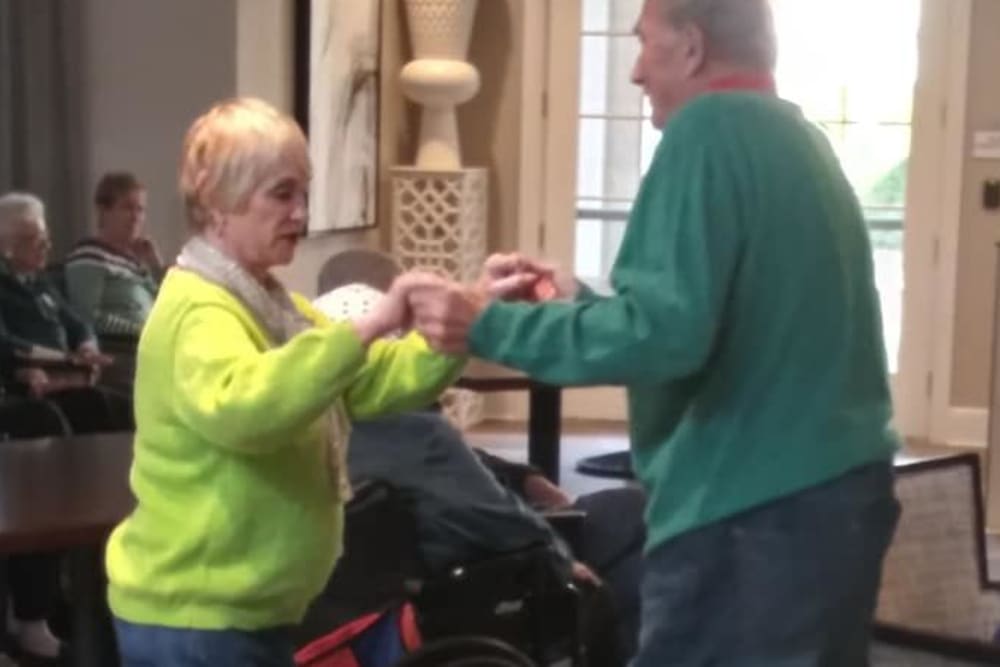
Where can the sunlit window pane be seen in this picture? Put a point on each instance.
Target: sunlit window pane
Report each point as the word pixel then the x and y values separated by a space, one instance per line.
pixel 850 65
pixel 611 92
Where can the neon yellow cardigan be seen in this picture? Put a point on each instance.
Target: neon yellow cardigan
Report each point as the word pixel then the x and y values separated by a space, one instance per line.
pixel 238 524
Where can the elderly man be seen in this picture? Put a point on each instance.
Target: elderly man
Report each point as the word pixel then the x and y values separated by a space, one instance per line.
pixel 745 325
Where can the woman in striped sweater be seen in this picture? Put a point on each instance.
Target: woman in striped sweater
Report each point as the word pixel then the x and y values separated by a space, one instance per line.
pixel 112 278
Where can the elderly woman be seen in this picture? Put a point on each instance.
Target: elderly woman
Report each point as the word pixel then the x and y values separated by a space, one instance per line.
pixel 46 349
pixel 244 397
pixel 112 278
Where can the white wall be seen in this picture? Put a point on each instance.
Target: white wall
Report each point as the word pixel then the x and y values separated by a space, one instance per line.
pixel 151 67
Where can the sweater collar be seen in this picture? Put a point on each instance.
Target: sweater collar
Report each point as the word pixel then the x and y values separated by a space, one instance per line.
pixel 761 82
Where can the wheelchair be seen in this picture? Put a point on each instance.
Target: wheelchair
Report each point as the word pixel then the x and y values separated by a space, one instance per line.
pixel 507 610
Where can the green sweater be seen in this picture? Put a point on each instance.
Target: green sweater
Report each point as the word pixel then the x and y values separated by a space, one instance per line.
pixel 744 320
pixel 238 524
pixel 113 291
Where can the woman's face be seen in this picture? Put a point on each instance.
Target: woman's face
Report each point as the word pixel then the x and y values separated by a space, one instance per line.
pixel 122 221
pixel 28 248
pixel 265 233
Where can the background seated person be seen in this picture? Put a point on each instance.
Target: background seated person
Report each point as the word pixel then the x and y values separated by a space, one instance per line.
pixel 464 512
pixel 48 351
pixel 112 278
pixel 29 582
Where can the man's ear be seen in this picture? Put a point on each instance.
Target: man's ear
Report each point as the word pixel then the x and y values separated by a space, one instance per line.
pixel 695 50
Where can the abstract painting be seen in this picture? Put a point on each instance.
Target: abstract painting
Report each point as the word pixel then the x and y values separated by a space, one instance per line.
pixel 342 117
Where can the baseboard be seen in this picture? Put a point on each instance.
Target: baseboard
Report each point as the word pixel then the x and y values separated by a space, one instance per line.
pixel 965 427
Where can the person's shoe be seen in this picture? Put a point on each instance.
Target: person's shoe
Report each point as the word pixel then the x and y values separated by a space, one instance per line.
pixel 37 646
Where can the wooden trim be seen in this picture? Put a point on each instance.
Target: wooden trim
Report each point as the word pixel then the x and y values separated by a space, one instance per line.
pixel 939 322
pixel 301 46
pixel 301 84
pixel 943 645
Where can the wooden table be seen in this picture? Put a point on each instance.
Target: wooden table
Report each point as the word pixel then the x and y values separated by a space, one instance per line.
pixel 544 410
pixel 67 494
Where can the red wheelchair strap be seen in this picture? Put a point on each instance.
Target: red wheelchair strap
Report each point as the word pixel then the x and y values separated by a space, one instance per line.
pixel 408 629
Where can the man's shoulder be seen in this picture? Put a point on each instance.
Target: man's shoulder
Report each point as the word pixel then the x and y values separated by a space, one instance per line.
pixel 728 109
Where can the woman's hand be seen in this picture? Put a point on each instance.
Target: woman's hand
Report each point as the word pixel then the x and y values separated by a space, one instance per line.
pixel 87 355
pixel 146 252
pixel 36 379
pixel 91 361
pixel 392 312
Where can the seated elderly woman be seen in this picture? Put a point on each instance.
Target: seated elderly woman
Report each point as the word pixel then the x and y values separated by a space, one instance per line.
pixel 29 582
pixel 112 278
pixel 46 349
pixel 244 400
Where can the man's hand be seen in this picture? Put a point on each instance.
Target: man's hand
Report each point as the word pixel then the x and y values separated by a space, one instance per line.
pixel 584 575
pixel 540 492
pixel 539 281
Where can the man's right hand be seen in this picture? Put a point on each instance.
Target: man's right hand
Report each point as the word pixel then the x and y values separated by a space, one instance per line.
pixel 584 575
pixel 549 281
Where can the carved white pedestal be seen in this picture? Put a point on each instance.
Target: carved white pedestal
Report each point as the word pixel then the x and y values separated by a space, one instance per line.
pixel 439 223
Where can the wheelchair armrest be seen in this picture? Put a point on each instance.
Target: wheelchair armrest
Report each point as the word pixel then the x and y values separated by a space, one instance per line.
pixel 568 523
pixel 367 493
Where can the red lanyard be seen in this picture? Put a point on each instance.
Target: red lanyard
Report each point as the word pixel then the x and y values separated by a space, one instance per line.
pixel 762 82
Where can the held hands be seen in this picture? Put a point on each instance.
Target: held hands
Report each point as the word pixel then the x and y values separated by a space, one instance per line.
pixel 393 311
pixel 444 310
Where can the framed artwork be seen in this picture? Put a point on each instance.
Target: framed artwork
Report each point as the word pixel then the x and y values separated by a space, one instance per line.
pixel 337 103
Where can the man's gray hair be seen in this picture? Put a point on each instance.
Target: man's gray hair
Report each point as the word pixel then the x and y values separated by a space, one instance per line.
pixel 739 32
pixel 15 209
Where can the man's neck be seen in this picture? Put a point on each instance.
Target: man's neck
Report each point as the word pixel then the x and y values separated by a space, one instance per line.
pixel 722 76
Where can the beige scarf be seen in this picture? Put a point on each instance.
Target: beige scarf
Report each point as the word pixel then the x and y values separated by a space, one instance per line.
pixel 274 311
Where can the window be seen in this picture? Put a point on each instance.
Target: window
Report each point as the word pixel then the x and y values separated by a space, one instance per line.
pixel 850 64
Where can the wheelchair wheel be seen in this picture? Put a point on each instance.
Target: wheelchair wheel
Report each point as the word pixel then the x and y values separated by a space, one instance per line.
pixel 467 651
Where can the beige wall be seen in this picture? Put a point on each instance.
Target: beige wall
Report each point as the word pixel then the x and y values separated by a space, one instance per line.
pixel 151 67
pixel 979 229
pixel 490 123
pixel 489 128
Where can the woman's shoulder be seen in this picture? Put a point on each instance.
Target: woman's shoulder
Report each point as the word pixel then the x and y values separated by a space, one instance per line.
pixel 187 288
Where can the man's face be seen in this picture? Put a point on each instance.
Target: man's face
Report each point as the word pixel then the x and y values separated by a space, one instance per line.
pixel 668 58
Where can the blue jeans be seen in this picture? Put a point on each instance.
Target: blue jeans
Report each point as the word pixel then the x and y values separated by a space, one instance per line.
pixel 789 584
pixel 159 646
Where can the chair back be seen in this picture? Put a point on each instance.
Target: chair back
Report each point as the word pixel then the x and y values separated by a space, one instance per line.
pixel 358 265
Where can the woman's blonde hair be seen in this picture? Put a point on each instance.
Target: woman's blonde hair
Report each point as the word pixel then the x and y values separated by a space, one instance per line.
pixel 230 150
